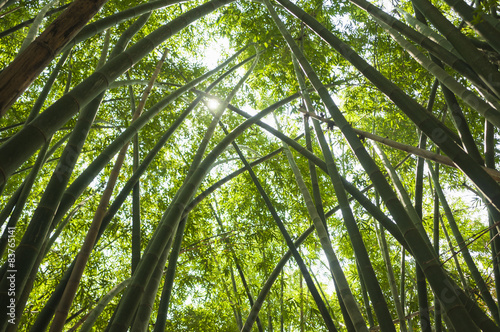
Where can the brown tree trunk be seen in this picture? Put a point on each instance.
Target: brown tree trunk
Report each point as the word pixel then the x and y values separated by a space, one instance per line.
pixel 21 72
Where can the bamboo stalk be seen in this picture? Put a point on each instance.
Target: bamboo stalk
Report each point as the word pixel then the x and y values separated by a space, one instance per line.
pixel 476 275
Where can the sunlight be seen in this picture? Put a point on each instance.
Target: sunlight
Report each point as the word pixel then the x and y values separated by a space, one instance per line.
pixel 213 104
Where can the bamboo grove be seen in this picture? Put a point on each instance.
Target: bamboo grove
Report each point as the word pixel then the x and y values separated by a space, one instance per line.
pixel 265 165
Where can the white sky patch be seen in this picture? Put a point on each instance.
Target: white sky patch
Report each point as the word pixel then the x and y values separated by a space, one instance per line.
pixel 214 52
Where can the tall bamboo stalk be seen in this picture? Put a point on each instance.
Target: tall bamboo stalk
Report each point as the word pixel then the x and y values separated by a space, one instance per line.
pixel 334 265
pixel 476 275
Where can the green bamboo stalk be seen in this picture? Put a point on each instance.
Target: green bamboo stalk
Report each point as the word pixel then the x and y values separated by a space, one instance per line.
pixel 420 24
pixel 237 264
pixel 390 275
pixel 423 304
pixel 489 158
pixel 310 284
pixel 479 21
pixel 454 254
pixel 402 288
pixel 136 195
pixel 161 317
pixel 101 305
pixel 438 324
pixel 142 317
pixel 366 299
pixel 318 202
pixel 421 247
pixel 22 145
pixel 486 71
pixel 11 203
pixel 23 196
pixel 476 275
pixel 476 103
pixel 357 243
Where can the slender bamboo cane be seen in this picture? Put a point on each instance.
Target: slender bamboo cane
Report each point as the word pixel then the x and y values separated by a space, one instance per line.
pixel 310 284
pixel 421 247
pixel 438 324
pixel 488 73
pixel 161 317
pixel 142 316
pixel 483 288
pixel 366 299
pixel 237 264
pixel 335 268
pixel 476 103
pixel 390 275
pixel 454 254
pixel 101 305
pixel 493 216
pixel 22 145
pixel 402 286
pixel 420 24
pixel 23 196
pixel 136 195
